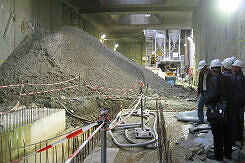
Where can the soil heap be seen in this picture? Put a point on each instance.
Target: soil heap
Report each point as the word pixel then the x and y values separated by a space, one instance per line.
pixel 70 52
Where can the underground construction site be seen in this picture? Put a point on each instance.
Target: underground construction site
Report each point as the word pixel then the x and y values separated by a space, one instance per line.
pixel 113 80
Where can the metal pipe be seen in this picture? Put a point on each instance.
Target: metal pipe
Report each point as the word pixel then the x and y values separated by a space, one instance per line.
pixel 133 124
pixel 103 144
pixel 141 103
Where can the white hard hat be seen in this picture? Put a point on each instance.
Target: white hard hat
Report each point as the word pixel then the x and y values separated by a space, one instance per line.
pixel 233 58
pixel 201 64
pixel 227 63
pixel 238 63
pixel 215 63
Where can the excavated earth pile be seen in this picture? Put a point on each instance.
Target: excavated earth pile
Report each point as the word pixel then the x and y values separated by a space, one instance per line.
pixel 70 52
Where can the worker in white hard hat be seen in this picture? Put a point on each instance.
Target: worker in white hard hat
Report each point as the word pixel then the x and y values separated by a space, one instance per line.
pixel 234 116
pixel 233 58
pixel 237 67
pixel 227 65
pixel 239 101
pixel 220 95
pixel 203 84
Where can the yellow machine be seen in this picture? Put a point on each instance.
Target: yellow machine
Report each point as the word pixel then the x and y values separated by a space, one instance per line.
pixel 170 71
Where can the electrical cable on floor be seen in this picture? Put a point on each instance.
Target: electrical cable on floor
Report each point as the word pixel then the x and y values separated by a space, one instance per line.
pixel 73 115
pixel 133 143
pixel 154 131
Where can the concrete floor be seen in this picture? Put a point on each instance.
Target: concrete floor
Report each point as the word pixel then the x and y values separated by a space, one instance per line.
pixel 179 132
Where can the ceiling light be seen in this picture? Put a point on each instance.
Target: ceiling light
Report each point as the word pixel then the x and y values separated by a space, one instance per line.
pixel 116 46
pixel 229 5
pixel 147 15
pixel 102 36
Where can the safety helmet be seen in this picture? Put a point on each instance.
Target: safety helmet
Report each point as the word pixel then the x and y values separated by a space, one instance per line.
pixel 238 63
pixel 227 63
pixel 201 64
pixel 233 58
pixel 215 63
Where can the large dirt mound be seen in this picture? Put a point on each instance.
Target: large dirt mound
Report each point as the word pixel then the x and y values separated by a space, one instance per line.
pixel 69 52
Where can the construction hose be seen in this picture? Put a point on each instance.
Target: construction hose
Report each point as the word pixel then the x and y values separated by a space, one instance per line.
pixel 135 114
pixel 127 127
pixel 133 124
pixel 154 132
pixel 130 145
pixel 144 144
pixel 73 115
pixel 133 142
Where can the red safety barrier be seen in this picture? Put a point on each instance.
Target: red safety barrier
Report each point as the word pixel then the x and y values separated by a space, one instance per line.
pixel 8 86
pixel 18 102
pixel 167 105
pixel 84 143
pixel 48 91
pixel 73 134
pixel 50 84
pixel 59 89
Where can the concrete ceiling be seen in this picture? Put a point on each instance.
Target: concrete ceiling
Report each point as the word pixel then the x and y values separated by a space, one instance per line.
pixel 126 19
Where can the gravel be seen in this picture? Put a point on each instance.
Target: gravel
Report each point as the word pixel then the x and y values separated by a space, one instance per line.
pixel 67 53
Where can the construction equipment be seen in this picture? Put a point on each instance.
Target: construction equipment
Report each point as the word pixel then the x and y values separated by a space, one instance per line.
pixel 170 70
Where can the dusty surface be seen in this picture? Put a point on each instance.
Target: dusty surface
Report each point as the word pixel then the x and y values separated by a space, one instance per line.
pixel 68 53
pixel 175 129
pixel 95 156
pixel 183 144
pixel 65 54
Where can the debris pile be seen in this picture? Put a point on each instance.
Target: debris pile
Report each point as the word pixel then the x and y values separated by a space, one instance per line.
pixel 70 52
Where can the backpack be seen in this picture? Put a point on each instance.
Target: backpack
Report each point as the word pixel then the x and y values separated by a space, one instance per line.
pixel 217 113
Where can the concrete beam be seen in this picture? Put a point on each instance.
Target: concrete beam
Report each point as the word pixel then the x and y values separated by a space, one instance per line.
pixel 133 2
pixel 133 9
pixel 167 24
pixel 132 37
pixel 141 27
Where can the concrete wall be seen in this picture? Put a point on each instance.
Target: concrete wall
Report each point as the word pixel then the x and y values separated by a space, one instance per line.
pixel 46 16
pixel 41 16
pixel 216 33
pixel 134 51
pixel 39 130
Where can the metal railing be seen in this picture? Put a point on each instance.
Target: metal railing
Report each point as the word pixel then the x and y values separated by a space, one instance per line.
pixel 57 154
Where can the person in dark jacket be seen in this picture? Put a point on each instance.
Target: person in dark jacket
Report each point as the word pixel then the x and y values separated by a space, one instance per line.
pixel 239 99
pixel 203 85
pixel 221 89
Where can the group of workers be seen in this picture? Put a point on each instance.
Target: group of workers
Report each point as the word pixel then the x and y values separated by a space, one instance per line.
pixel 222 83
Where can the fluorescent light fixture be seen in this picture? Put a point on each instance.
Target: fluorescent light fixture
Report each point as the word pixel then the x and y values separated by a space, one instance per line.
pixel 147 15
pixel 229 5
pixel 102 37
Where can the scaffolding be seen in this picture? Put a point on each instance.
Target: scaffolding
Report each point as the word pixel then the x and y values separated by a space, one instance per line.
pixel 149 46
pixel 156 47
